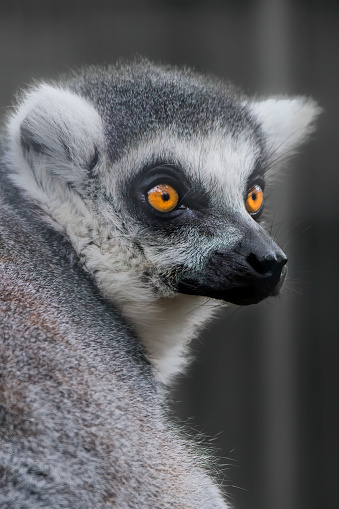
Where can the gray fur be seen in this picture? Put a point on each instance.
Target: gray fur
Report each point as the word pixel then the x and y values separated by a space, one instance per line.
pixel 92 314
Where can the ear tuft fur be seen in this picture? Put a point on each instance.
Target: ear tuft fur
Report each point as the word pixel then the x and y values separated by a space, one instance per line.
pixel 62 128
pixel 286 123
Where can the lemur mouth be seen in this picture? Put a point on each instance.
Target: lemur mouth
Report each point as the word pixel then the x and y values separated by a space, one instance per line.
pixel 240 295
pixel 246 295
pixel 253 294
pixel 243 292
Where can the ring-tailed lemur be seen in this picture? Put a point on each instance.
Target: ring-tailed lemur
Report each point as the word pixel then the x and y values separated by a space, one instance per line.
pixel 129 195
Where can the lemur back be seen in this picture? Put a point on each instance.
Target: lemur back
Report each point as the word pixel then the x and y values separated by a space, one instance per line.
pixel 130 196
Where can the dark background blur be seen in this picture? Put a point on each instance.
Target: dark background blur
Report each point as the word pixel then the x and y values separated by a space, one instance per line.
pixel 265 379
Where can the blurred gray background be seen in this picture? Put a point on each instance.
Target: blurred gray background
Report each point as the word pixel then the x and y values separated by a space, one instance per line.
pixel 265 380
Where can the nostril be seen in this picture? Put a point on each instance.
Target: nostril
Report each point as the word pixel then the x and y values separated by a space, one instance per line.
pixel 261 265
pixel 282 259
pixel 266 264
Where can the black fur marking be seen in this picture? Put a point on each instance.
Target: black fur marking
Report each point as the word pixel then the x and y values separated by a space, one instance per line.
pixel 257 177
pixel 93 162
pixel 193 197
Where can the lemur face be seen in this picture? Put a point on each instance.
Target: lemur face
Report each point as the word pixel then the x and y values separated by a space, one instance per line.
pixel 195 210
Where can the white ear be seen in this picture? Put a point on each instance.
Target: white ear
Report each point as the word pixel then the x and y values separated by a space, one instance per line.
pixel 58 130
pixel 286 123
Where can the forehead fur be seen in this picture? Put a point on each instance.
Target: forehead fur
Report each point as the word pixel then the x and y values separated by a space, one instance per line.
pixel 141 98
pixel 215 161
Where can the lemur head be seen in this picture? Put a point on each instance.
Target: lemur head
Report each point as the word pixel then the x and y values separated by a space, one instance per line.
pixel 157 176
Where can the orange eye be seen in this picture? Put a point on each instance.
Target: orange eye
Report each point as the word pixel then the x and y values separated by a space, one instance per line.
pixel 254 200
pixel 163 198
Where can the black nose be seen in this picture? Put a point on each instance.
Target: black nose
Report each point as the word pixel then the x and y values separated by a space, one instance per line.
pixel 268 264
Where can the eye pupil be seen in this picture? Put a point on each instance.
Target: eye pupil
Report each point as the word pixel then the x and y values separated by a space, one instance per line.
pixel 165 197
pixel 254 196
